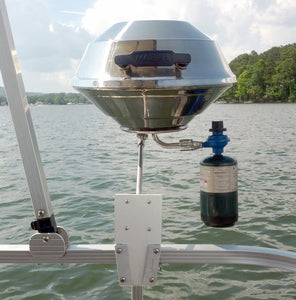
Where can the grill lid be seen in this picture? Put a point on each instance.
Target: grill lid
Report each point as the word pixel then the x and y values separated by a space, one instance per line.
pixel 153 75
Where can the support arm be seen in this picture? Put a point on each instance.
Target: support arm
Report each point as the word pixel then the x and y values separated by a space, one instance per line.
pixel 20 112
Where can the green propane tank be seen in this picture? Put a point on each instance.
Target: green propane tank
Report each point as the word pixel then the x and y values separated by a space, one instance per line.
pixel 218 182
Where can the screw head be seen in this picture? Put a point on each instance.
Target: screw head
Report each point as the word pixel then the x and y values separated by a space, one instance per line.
pixel 126 201
pixel 152 279
pixel 41 213
pixel 119 250
pixel 156 251
pixel 122 279
pixel 45 239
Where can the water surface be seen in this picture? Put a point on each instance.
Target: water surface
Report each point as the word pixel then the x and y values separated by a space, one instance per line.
pixel 87 160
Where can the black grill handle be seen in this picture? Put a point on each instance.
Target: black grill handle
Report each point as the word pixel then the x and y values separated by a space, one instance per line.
pixel 161 58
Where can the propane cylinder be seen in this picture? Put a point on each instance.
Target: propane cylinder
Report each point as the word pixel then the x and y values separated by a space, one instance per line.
pixel 218 182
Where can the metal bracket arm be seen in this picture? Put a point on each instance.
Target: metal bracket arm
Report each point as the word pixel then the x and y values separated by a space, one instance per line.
pixel 21 117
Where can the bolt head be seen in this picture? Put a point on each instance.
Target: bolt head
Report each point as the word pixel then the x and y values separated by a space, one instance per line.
pixel 156 251
pixel 122 279
pixel 45 239
pixel 152 279
pixel 119 250
pixel 41 213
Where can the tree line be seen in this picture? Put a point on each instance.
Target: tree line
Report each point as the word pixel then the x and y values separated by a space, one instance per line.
pixel 266 77
pixel 52 98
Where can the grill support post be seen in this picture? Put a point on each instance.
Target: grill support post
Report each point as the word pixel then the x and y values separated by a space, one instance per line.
pixel 141 144
pixel 137 291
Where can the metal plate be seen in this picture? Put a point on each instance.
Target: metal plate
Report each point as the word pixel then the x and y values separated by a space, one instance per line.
pixel 137 225
pixel 47 244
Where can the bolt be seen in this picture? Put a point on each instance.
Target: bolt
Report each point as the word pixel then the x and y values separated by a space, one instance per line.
pixel 45 239
pixel 126 201
pixel 149 202
pixel 156 251
pixel 149 229
pixel 119 250
pixel 142 136
pixel 122 279
pixel 152 279
pixel 126 228
pixel 41 213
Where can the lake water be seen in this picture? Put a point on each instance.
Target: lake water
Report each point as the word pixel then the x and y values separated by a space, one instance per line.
pixel 88 159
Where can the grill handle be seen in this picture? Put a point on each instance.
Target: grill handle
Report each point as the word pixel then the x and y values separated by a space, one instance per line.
pixel 160 58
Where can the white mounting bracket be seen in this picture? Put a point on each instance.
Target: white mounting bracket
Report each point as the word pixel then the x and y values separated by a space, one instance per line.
pixel 137 237
pixel 152 264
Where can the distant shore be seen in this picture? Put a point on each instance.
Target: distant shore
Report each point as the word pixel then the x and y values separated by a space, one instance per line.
pixel 254 102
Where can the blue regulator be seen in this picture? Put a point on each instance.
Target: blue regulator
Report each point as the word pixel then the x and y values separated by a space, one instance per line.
pixel 218 182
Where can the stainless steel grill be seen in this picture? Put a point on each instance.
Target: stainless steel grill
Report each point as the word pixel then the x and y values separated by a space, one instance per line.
pixel 153 76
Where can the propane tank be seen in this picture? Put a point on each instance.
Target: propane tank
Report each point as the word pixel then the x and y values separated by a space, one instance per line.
pixel 218 182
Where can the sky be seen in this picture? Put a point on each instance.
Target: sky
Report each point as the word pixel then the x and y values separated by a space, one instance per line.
pixel 51 35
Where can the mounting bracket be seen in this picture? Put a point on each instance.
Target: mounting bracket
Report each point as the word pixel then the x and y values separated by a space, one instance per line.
pixel 137 238
pixel 45 245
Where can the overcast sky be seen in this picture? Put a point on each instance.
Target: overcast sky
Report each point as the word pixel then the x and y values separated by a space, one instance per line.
pixel 51 35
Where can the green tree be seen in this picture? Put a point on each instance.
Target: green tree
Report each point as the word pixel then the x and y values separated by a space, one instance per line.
pixel 258 80
pixel 243 85
pixel 270 76
pixel 285 75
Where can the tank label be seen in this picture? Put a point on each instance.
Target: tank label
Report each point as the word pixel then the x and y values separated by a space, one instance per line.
pixel 222 179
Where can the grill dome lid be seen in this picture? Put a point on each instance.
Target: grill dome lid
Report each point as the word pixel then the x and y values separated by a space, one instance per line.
pixel 153 75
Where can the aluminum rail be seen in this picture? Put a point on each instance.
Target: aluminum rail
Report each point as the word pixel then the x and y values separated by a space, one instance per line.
pixel 228 254
pixel 170 254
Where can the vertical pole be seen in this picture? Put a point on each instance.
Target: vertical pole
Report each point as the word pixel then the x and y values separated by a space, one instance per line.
pixel 141 145
pixel 137 291
pixel 21 117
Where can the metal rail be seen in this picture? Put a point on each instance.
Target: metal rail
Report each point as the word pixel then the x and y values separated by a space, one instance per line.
pixel 170 254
